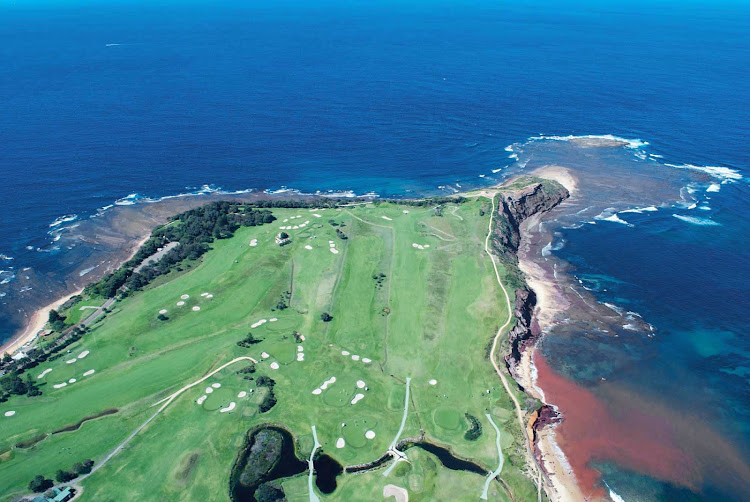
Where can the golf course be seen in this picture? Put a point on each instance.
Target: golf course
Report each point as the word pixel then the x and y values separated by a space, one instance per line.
pixel 371 324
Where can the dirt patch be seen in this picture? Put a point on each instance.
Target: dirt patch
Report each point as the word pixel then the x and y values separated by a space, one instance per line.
pixel 77 425
pixel 188 465
pixel 28 443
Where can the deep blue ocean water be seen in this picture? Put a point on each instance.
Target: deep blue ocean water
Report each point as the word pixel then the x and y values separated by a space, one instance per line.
pixel 101 100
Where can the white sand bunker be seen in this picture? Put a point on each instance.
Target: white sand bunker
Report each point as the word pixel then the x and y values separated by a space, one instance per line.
pixel 71 361
pixel 83 354
pixel 340 443
pixel 316 215
pixel 308 247
pixel 370 434
pixel 273 319
pixel 300 356
pixel 201 399
pixel 317 391
pixel 242 394
pixel 406 212
pixel 387 218
pixel 358 398
pixel 419 246
pixel 324 385
pixel 300 348
pixel 89 373
pixel 253 242
pixel 265 355
pixel 72 380
pixel 228 408
pixel 163 311
pixel 41 375
pixel 216 385
pixel 334 251
pixel 274 365
pixel 344 352
pixel 366 360
pixel 432 382
pixel 258 323
pixel 355 357
pixel 60 385
pixel 10 413
pixel 196 308
pixel 209 390
pixel 285 220
pixel 180 303
pixel 184 297
pixel 361 384
pixel 204 294
pixel 209 296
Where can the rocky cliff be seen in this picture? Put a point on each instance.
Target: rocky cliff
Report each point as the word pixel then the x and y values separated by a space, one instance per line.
pixel 513 208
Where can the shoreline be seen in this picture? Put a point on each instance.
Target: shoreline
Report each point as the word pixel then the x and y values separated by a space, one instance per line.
pixel 38 319
pixel 561 482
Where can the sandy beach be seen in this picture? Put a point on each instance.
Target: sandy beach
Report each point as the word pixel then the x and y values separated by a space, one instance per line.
pixel 38 319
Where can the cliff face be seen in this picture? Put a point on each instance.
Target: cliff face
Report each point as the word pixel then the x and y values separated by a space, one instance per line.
pixel 513 208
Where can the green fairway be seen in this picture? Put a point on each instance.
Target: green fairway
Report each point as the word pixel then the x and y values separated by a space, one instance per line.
pixel 411 295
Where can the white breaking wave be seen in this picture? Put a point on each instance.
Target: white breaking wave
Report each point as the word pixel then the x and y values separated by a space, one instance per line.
pixel 615 497
pixel 63 219
pixel 714 187
pixel 607 216
pixel 629 143
pixel 725 173
pixel 641 209
pixel 697 221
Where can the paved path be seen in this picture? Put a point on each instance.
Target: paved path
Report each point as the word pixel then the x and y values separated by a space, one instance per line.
pixel 496 472
pixel 398 455
pixel 311 468
pixel 496 340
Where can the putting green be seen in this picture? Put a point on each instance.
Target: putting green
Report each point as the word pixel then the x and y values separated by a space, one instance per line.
pixel 447 418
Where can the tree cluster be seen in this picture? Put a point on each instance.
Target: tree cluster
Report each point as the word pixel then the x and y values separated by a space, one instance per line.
pixel 475 428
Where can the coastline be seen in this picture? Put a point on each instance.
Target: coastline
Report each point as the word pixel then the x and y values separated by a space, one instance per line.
pixel 38 319
pixel 561 482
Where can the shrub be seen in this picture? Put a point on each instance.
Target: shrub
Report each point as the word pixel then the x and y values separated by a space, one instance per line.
pixel 475 428
pixel 326 317
pixel 65 476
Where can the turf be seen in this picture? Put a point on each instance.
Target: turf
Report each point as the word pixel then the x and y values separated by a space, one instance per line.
pixel 428 316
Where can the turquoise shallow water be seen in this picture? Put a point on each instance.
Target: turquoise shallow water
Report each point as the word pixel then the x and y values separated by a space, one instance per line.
pixel 111 102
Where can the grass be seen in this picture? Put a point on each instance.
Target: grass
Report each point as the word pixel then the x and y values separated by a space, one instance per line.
pixel 431 316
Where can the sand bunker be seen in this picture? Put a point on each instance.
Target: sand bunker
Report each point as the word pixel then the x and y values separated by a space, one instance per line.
pixel 358 398
pixel 72 380
pixel 400 494
pixel 334 251
pixel 355 357
pixel 253 243
pixel 344 352
pixel 273 319
pixel 370 434
pixel 41 375
pixel 317 392
pixel 285 220
pixel 201 399
pixel 316 215
pixel 228 408
pixel 204 294
pixel 308 247
pixel 418 246
pixel 242 394
pixel 60 385
pixel 71 361
pixel 366 360
pixel 184 297
pixel 387 218
pixel 302 337
pixel 433 382
pixel 10 413
pixel 300 356
pixel 361 384
pixel 216 385
pixel 209 296
pixel 83 354
pixel 209 390
pixel 180 304
pixel 258 323
pixel 406 212
pixel 196 308
pixel 300 348
pixel 265 355
pixel 274 365
pixel 89 372
pixel 324 386
pixel 340 443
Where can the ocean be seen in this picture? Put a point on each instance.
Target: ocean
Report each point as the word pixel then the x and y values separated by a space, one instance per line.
pixel 109 106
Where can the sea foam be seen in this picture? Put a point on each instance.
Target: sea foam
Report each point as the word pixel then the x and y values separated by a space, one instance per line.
pixel 697 221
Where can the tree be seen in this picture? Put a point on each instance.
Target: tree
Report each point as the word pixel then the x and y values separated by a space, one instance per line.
pixel 284 235
pixel 83 468
pixel 64 476
pixel 162 317
pixel 40 484
pixel 326 317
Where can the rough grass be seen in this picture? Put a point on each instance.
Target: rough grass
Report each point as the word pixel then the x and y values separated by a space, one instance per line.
pixel 430 318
